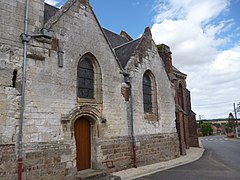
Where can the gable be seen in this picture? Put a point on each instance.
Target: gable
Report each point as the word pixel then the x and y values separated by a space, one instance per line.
pixel 49 11
pixel 145 48
pixel 125 48
pixel 75 25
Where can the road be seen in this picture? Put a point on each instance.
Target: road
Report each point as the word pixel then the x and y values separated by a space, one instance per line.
pixel 220 161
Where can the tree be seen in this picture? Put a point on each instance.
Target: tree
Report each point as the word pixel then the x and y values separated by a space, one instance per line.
pixel 206 128
pixel 230 124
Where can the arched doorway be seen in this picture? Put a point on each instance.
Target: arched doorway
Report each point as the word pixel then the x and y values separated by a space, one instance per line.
pixel 82 132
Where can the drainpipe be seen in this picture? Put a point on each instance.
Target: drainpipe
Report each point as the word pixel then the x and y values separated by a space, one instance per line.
pixel 25 40
pixel 128 82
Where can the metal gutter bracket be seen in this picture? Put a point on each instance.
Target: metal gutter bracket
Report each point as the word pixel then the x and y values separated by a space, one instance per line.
pixel 25 37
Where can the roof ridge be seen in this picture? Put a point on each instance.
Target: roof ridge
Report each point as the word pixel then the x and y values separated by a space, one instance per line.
pixel 115 33
pixel 126 43
pixel 177 71
pixel 59 13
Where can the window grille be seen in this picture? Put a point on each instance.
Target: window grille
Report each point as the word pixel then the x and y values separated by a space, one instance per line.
pixel 85 79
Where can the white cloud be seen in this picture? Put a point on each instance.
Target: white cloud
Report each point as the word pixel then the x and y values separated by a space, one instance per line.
pixel 227 62
pixel 193 29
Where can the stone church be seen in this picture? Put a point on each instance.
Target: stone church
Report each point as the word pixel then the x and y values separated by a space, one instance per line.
pixel 94 99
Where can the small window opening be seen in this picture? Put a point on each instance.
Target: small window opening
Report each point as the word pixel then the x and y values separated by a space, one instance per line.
pixel 14 79
pixel 147 94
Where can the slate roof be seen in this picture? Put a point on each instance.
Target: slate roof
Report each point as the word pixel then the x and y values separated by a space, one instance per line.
pixel 123 48
pixel 177 71
pixel 114 39
pixel 49 11
pixel 125 51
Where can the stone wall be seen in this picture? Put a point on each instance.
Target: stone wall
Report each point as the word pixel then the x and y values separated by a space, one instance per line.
pixel 156 148
pixel 40 161
pixel 8 162
pixel 49 146
pixel 9 95
pixel 51 160
pixel 12 19
pixel 46 160
pixel 146 59
pixel 117 154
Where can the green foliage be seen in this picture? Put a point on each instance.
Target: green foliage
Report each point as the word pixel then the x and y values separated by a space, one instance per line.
pixel 230 126
pixel 206 128
pixel 160 48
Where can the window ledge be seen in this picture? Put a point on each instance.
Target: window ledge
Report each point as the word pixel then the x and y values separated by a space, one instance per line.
pixel 150 116
pixel 88 101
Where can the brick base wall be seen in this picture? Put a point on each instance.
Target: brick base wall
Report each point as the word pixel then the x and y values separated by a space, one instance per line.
pixel 8 162
pixel 51 160
pixel 192 126
pixel 46 160
pixel 156 148
pixel 40 161
pixel 118 153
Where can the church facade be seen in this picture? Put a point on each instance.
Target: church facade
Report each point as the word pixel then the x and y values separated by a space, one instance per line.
pixel 94 99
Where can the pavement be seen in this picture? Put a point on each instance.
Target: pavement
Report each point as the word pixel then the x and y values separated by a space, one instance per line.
pixel 232 139
pixel 193 154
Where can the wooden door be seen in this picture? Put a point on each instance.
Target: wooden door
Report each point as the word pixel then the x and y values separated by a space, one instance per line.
pixel 83 143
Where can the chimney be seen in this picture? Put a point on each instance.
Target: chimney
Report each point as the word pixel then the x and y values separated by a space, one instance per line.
pixel 165 54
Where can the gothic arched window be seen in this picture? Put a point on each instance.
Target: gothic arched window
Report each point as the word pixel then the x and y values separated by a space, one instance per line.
pixel 147 94
pixel 180 96
pixel 85 79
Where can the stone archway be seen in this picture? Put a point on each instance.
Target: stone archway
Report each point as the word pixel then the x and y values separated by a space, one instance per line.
pixel 90 117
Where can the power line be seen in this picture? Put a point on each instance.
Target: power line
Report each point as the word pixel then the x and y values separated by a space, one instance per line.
pixel 217 103
pixel 215 114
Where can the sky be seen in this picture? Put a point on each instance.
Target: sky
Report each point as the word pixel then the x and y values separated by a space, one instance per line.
pixel 204 37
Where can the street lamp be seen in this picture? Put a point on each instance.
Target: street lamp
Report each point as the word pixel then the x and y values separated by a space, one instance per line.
pixel 235 112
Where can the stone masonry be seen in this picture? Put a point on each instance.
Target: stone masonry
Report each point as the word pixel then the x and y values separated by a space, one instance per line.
pixel 116 114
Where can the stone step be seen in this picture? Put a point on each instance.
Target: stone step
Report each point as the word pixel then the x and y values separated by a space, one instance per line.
pixel 92 174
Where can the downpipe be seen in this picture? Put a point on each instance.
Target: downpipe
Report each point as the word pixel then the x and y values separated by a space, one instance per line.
pixel 132 132
pixel 134 155
pixel 127 81
pixel 25 40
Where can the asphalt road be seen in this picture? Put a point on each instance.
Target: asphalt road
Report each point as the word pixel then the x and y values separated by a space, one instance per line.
pixel 220 161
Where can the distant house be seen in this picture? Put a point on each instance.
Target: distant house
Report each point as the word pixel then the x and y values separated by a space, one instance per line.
pixel 94 99
pixel 217 130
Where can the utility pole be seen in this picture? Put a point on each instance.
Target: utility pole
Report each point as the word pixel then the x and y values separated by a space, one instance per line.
pixel 235 112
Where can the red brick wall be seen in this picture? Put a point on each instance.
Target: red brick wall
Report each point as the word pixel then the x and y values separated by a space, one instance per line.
pixel 192 126
pixel 8 162
pixel 118 153
pixel 43 161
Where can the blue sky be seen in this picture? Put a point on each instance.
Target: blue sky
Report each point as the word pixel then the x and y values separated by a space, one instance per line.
pixel 204 37
pixel 130 16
